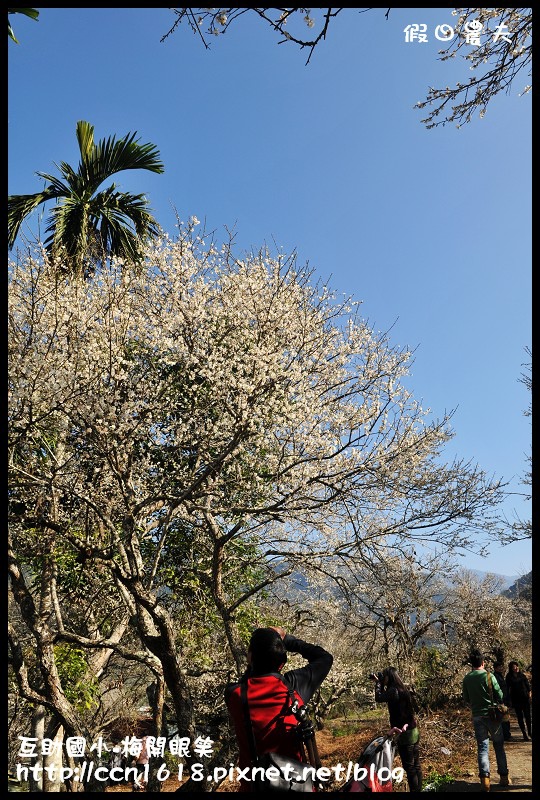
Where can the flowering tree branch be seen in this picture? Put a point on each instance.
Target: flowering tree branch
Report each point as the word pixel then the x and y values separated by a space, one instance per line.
pixel 496 43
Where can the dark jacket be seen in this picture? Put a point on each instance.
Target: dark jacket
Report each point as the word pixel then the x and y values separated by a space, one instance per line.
pixel 518 688
pixel 400 705
pixel 502 685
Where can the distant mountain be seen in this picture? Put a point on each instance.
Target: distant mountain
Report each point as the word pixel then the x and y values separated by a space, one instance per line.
pixel 512 588
pixel 505 579
pixel 521 588
pixel 299 583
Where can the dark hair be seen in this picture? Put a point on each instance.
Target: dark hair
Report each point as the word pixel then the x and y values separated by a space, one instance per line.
pixel 511 664
pixel 498 665
pixel 268 652
pixel 407 695
pixel 391 678
pixel 476 658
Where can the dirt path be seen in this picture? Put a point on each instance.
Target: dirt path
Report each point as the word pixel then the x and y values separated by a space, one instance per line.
pixel 520 760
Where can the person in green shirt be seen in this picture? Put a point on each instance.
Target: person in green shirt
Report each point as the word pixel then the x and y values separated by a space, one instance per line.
pixel 476 695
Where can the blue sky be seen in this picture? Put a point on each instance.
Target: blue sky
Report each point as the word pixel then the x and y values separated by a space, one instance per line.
pixel 430 229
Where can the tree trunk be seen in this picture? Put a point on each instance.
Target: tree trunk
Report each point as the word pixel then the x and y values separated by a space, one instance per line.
pixel 35 784
pixel 52 765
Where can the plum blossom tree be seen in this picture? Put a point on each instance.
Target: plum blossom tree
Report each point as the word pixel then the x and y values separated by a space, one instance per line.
pixel 209 420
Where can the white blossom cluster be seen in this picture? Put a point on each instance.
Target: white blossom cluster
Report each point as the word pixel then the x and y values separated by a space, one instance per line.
pixel 504 52
pixel 211 385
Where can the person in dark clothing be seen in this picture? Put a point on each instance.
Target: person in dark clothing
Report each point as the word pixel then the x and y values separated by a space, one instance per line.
pixel 267 690
pixel 389 688
pixel 519 694
pixel 498 671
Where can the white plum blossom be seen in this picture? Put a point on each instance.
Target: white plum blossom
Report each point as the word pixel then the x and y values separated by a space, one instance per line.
pixel 237 386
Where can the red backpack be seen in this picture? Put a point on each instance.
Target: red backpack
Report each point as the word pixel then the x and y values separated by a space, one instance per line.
pixel 275 727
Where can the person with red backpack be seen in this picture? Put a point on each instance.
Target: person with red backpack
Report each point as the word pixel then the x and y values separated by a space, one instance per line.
pixel 264 698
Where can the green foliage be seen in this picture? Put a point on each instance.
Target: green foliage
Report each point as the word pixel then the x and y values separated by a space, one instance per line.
pixel 344 727
pixel 431 663
pixel 87 226
pixel 185 567
pixel 432 678
pixel 72 667
pixel 248 618
pixel 436 782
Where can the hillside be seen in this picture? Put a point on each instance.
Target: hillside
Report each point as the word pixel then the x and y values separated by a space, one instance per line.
pixel 521 588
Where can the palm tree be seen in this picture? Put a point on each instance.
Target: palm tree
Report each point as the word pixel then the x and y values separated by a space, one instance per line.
pixel 85 226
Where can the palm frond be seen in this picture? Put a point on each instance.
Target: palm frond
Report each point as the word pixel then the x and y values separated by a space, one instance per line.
pixel 33 13
pixel 61 189
pixel 21 205
pixel 124 222
pixel 85 138
pixel 111 156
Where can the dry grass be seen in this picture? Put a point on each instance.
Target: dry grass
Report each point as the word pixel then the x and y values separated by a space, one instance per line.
pixel 447 747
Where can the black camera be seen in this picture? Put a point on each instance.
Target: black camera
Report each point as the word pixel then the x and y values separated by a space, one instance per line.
pixel 305 728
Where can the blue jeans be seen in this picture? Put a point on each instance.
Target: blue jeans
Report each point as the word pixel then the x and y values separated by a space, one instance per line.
pixel 484 728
